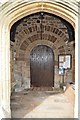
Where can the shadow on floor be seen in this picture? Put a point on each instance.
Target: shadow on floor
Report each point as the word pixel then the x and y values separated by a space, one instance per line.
pixel 31 103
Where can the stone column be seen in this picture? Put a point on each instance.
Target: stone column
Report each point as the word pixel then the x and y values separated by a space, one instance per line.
pixel 5 72
pixel 1 71
pixel 77 69
pixel 78 63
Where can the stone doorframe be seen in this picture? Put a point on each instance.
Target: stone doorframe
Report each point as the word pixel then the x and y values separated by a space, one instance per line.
pixel 11 12
pixel 27 56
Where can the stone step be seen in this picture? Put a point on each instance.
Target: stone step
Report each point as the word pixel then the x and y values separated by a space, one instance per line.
pixel 45 89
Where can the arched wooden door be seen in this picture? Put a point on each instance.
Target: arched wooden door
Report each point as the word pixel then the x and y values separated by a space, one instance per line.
pixel 42 66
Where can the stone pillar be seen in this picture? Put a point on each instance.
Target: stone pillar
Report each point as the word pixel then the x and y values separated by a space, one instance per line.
pixel 5 73
pixel 78 63
pixel 77 69
pixel 0 68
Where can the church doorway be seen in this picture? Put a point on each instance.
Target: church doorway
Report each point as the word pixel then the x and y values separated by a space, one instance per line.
pixel 42 66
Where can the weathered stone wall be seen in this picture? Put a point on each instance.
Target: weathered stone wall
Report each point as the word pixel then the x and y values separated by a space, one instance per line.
pixel 39 29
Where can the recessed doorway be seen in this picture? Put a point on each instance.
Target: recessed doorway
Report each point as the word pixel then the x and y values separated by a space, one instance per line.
pixel 42 66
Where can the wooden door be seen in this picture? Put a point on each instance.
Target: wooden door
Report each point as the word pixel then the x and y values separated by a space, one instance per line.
pixel 42 66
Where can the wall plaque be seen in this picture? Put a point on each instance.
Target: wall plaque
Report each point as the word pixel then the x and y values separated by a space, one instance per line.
pixel 64 61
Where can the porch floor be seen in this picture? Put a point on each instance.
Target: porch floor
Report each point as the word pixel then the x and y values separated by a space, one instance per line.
pixel 41 103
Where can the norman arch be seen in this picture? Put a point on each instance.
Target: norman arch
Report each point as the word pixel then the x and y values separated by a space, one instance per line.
pixel 40 28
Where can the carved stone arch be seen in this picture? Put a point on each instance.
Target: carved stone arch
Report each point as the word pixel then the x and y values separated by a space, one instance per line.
pixel 28 52
pixel 35 7
pixel 39 42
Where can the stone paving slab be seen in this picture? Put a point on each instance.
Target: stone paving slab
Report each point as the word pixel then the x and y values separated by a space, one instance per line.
pixel 41 105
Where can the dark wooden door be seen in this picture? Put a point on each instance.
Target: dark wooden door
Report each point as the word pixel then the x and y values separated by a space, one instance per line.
pixel 42 66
